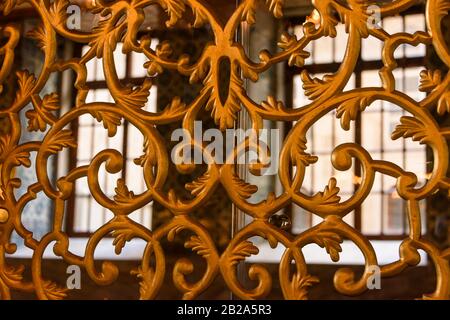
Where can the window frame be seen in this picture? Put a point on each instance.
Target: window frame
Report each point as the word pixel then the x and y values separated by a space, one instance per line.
pixel 362 65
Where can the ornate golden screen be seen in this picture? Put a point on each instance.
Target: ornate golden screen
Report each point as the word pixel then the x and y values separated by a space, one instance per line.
pixel 121 21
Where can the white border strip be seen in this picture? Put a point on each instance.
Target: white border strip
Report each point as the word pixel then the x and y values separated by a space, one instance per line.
pixel 387 252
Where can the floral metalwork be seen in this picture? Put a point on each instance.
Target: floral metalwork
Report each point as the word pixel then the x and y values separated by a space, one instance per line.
pixel 120 22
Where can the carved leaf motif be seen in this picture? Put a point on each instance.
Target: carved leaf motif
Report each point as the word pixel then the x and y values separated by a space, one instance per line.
pixel 2 193
pixel 135 98
pixel 357 17
pixel 8 5
pixel 58 12
pixel 273 105
pixel 175 9
pixel 298 154
pixel 22 158
pixel 121 237
pixel 175 107
pixel 200 72
pixel 330 194
pixel 110 120
pixel 39 35
pixel 53 291
pixel 349 110
pixel 241 251
pixel 315 87
pixel 446 254
pixel 331 242
pixel 223 115
pixel 300 285
pixel 276 7
pixel 297 58
pixel 328 24
pixel 35 120
pixel 429 80
pixel 50 102
pixel 146 278
pixel 26 83
pixel 443 104
pixel 153 68
pixel 443 7
pixel 287 41
pixel 62 139
pixel 148 156
pixel 249 12
pixel 173 232
pixel 5 144
pixel 164 49
pixel 197 245
pixel 198 185
pixel 200 17
pixel 106 34
pixel 410 127
pixel 243 189
pixel 14 274
pixel 249 73
pixel 123 194
pixel 273 242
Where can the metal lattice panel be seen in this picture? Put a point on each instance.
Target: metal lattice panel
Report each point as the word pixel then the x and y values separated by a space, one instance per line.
pixel 120 22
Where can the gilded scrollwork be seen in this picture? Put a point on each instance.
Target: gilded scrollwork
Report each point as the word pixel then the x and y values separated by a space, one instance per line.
pixel 120 21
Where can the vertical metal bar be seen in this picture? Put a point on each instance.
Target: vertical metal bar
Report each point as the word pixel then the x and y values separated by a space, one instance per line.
pixel 237 215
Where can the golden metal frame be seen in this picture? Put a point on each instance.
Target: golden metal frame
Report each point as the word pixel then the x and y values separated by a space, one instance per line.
pixel 120 23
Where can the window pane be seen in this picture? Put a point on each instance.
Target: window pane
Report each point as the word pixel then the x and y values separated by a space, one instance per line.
pixel 371 49
pixel 152 101
pixel 394 25
pixel 120 61
pixel 135 178
pixel 395 157
pixel 147 213
pixel 82 186
pixel 371 130
pixel 390 121
pixel 414 23
pixel 416 162
pixel 100 138
pixel 99 74
pixel 135 143
pixel 300 219
pixel 84 146
pixel 323 134
pixel 81 210
pixel 371 214
pixel 91 65
pixel 97 216
pixel 340 43
pixel 393 218
pixel 322 172
pixel 350 218
pixel 412 82
pixel 103 95
pixel 323 50
pixel 299 98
